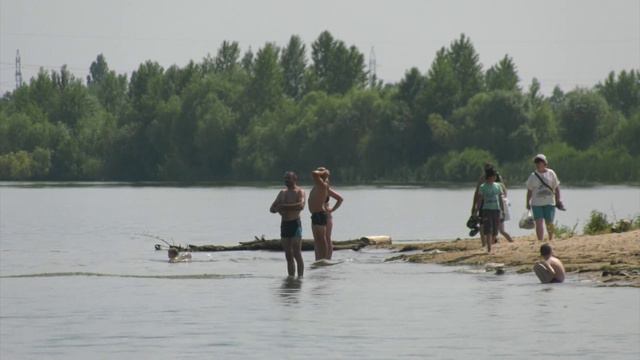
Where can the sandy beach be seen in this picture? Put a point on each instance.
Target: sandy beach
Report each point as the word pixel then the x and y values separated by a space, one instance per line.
pixel 607 259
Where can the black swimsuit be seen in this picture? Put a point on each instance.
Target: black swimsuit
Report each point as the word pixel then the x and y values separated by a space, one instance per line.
pixel 291 229
pixel 319 218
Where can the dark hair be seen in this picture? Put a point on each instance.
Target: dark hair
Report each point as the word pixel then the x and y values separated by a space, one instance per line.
pixel 545 250
pixel 489 173
pixel 173 251
pixel 292 174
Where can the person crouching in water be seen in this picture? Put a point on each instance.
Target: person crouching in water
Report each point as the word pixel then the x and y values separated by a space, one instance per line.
pixel 289 203
pixel 317 198
pixel 551 269
pixel 490 202
pixel 175 256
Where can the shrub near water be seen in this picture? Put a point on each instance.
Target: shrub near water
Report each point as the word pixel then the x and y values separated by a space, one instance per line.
pixel 564 231
pixel 597 224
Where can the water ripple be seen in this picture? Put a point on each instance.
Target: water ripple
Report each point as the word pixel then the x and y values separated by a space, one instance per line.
pixel 175 277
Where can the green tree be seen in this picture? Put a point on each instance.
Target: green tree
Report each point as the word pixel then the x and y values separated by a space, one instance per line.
pixel 109 87
pixel 336 68
pixel 496 121
pixel 623 93
pixel 294 63
pixel 467 164
pixel 467 69
pixel 534 96
pixel 441 93
pixel 98 70
pixel 136 156
pixel 411 88
pixel 543 123
pixel 247 61
pixel 227 57
pixel 581 115
pixel 502 76
pixel 214 140
pixel 628 135
pixel 265 88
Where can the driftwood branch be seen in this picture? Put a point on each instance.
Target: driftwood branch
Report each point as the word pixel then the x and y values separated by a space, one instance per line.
pixel 276 245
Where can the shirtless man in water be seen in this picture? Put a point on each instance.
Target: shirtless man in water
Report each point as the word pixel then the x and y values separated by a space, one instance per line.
pixel 289 203
pixel 551 269
pixel 317 199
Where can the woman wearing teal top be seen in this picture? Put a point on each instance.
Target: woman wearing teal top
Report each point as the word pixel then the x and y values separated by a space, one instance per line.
pixel 489 199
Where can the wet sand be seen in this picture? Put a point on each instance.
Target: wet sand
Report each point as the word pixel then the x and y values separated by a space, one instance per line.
pixel 608 259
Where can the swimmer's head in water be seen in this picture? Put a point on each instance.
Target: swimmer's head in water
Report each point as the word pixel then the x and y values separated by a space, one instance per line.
pixel 290 178
pixel 172 253
pixel 545 250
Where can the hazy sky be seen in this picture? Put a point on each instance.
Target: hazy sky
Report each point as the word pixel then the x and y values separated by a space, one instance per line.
pixel 569 43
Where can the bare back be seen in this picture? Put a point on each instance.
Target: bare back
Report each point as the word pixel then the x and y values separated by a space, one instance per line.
pixel 558 268
pixel 318 196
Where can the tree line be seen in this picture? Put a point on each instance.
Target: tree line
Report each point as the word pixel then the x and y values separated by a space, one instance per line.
pixel 250 116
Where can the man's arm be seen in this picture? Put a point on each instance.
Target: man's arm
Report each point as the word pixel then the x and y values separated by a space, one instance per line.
pixel 559 203
pixel 474 204
pixel 317 177
pixel 528 199
pixel 298 205
pixel 550 267
pixel 338 198
pixel 477 202
pixel 303 199
pixel 275 206
pixel 504 189
pixel 292 206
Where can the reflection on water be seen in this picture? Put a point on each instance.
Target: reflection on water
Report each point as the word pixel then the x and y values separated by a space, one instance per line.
pixel 135 276
pixel 290 290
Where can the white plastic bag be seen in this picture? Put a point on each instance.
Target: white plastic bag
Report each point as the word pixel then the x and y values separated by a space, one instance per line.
pixel 526 221
pixel 506 209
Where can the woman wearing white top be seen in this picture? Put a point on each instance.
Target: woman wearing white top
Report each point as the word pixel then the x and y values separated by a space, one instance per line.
pixel 543 196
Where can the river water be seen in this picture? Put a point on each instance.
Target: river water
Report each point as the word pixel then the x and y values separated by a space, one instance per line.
pixel 79 279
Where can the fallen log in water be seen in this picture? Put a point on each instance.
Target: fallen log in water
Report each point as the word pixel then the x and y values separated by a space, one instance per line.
pixel 276 245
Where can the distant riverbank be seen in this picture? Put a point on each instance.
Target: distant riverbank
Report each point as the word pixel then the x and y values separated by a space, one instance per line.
pixel 608 259
pixel 264 184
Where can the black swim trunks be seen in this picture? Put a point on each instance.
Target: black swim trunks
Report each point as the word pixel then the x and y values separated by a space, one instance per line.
pixel 291 229
pixel 319 218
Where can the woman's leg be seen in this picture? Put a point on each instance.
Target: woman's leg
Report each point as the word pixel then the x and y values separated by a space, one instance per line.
pixel 320 240
pixel 538 216
pixel 504 233
pixel 328 236
pixel 540 229
pixel 549 217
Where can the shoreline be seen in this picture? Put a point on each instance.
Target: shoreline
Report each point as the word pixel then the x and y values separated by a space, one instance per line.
pixel 607 259
pixel 270 184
